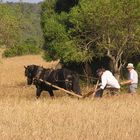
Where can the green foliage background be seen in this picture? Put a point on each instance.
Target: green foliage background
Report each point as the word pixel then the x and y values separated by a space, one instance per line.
pixel 20 29
pixel 92 28
pixel 76 31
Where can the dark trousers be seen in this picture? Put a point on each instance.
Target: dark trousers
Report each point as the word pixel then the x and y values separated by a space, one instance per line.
pixel 113 91
pixel 99 93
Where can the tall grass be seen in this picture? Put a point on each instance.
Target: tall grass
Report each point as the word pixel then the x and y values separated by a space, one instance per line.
pixel 23 117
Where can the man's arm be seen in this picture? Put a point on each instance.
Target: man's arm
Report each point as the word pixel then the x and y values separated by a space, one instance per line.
pixel 126 82
pixel 103 82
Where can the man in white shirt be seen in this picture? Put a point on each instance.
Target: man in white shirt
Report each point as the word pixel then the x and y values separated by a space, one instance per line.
pixel 132 79
pixel 107 79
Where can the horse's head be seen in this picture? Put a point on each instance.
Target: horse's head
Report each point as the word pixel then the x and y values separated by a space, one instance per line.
pixel 30 72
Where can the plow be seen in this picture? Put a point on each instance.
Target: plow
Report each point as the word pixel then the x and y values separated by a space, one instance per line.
pixel 71 92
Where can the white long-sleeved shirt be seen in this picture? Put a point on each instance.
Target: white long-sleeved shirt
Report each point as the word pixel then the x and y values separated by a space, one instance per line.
pixel 133 75
pixel 107 79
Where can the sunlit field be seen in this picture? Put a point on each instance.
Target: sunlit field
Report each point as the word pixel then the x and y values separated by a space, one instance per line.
pixel 23 117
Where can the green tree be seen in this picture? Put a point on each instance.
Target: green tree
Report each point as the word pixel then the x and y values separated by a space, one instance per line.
pixel 20 29
pixel 59 43
pixel 93 29
pixel 108 28
pixel 9 25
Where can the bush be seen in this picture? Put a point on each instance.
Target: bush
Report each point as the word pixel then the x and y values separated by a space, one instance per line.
pixel 47 57
pixel 21 50
pixel 138 69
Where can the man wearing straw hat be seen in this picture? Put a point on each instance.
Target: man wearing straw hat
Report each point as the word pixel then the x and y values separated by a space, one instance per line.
pixel 132 81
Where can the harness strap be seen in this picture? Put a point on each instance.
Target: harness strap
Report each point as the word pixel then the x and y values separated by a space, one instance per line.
pixel 39 71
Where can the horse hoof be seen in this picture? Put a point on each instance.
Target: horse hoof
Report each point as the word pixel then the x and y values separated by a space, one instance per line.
pixel 37 97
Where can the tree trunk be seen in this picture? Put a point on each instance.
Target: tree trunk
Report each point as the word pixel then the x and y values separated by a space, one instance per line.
pixel 115 67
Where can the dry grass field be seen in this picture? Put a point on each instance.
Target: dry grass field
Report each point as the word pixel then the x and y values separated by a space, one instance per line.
pixel 23 117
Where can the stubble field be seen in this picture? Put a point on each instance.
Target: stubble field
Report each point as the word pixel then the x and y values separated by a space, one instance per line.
pixel 23 117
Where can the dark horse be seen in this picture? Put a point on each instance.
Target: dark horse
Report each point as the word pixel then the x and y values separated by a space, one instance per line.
pixel 63 78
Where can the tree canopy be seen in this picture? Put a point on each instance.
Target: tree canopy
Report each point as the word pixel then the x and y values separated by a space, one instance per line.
pixel 9 25
pixel 20 29
pixel 92 28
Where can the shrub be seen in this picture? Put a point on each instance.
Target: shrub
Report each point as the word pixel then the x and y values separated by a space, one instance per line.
pixel 138 69
pixel 46 56
pixel 21 50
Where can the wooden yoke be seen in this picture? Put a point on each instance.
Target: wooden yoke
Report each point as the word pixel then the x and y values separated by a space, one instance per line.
pixel 69 92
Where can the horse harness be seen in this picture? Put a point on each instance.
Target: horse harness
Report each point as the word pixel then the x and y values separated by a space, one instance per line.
pixel 40 71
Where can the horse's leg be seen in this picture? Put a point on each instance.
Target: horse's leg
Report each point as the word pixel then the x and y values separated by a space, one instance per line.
pixel 51 93
pixel 75 85
pixel 38 92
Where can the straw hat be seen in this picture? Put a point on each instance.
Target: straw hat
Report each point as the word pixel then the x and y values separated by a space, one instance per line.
pixel 130 65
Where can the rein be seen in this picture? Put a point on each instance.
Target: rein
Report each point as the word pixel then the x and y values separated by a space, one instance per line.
pixel 80 75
